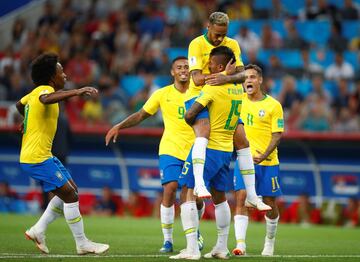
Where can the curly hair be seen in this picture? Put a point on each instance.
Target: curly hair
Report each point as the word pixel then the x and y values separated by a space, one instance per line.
pixel 43 68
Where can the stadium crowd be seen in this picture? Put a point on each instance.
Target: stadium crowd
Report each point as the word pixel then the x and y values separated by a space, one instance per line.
pixel 311 62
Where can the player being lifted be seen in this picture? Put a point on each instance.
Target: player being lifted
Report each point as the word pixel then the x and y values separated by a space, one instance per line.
pixel 175 143
pixel 264 124
pixel 41 110
pixel 224 105
pixel 199 51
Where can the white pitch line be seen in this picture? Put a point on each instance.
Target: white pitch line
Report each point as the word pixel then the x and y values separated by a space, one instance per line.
pixel 14 255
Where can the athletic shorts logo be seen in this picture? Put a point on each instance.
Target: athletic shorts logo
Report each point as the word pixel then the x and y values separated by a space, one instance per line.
pixel 161 174
pixel 59 175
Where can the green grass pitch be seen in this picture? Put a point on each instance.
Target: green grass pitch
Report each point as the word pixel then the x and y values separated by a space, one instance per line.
pixel 133 239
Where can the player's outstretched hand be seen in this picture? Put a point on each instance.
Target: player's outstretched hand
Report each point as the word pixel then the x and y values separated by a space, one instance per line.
pixel 88 91
pixel 259 158
pixel 112 134
pixel 215 79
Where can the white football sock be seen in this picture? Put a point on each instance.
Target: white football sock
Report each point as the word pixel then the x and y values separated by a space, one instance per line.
pixel 52 212
pixel 201 211
pixel 246 166
pixel 75 222
pixel 223 220
pixel 167 221
pixel 271 227
pixel 190 223
pixel 198 159
pixel 240 224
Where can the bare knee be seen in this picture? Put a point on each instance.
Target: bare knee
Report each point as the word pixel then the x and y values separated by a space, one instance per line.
pixel 240 197
pixel 240 140
pixel 169 194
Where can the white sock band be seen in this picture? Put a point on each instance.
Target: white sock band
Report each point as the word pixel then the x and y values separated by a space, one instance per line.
pixel 246 166
pixel 223 220
pixel 75 222
pixel 198 159
pixel 52 212
pixel 271 226
pixel 190 223
pixel 167 221
pixel 241 224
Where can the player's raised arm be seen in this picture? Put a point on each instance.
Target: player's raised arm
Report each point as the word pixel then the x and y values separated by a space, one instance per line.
pixel 61 95
pixel 130 121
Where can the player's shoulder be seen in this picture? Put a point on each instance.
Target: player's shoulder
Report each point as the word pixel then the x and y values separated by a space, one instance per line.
pixel 273 101
pixel 231 41
pixel 197 40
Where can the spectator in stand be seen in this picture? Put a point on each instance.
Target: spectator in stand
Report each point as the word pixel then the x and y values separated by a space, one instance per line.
pixel 269 38
pixel 18 87
pixel 139 205
pixel 92 111
pixel 289 94
pixel 316 116
pixel 326 11
pixel 355 99
pixel 336 41
pixel 346 122
pixel 349 11
pixel 239 10
pixel 318 90
pixel 293 116
pixel 179 12
pixel 252 59
pixel 147 63
pixel 310 68
pixel 275 69
pixel 105 206
pixel 247 39
pixel 19 34
pixel 80 69
pixel 277 11
pixel 309 12
pixel 339 69
pixel 292 39
pixel 352 213
pixel 48 17
pixel 342 98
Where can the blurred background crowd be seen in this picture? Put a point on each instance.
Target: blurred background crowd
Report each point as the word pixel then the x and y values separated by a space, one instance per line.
pixel 309 51
pixel 300 211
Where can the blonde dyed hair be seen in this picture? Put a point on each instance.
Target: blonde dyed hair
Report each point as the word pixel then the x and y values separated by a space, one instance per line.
pixel 219 18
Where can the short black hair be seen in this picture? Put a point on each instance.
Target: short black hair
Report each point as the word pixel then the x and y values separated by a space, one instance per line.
pixel 43 68
pixel 178 58
pixel 256 68
pixel 224 51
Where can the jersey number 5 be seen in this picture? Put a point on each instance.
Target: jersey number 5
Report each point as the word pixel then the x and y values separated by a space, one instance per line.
pixel 233 111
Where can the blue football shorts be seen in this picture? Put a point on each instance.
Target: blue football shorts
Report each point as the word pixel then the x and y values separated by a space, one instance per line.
pixel 267 180
pixel 240 122
pixel 216 171
pixel 51 173
pixel 203 114
pixel 170 168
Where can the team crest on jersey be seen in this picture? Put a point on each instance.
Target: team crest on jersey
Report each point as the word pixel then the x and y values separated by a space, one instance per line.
pixel 262 113
pixel 192 61
pixel 59 175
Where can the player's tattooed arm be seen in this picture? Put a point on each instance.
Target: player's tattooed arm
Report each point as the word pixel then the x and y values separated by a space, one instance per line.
pixel 275 141
pixel 191 114
pixel 233 75
pixel 130 121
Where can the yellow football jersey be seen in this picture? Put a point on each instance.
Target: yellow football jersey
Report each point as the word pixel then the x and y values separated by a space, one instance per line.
pixel 199 55
pixel 261 119
pixel 178 137
pixel 224 105
pixel 40 123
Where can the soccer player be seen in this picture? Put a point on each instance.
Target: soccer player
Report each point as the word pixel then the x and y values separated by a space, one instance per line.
pixel 41 110
pixel 175 143
pixel 224 105
pixel 264 125
pixel 199 50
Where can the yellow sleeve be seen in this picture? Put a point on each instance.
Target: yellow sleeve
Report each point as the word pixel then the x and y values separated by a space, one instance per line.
pixel 206 95
pixel 24 100
pixel 277 119
pixel 153 103
pixel 195 56
pixel 237 52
